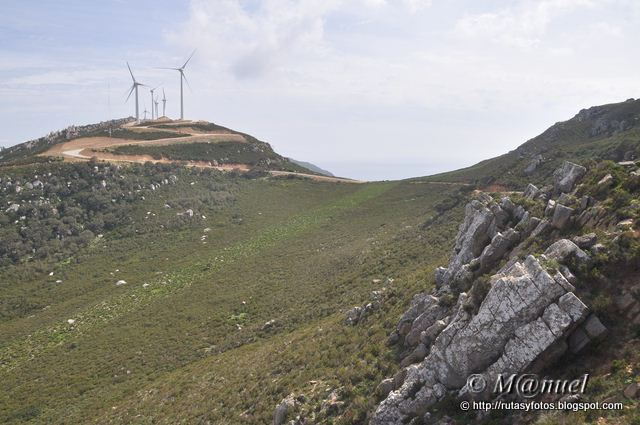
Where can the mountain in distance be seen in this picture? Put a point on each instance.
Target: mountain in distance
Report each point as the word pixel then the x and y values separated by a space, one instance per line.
pixel 313 168
pixel 184 272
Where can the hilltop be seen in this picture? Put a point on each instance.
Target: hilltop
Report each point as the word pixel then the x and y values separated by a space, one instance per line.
pixel 142 282
pixel 191 143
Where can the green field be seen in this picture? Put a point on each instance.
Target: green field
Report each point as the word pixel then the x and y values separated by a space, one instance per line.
pixel 189 346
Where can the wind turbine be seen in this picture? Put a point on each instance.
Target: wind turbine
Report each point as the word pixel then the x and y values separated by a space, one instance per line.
pixel 145 114
pixel 152 100
pixel 134 87
pixel 155 103
pixel 182 77
pixel 164 103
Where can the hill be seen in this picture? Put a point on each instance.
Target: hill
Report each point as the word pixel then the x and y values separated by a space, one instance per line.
pixel 313 168
pixel 192 143
pixel 153 292
pixel 607 132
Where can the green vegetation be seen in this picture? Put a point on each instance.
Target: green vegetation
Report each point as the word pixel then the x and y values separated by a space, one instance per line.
pixel 217 152
pixel 125 133
pixel 196 301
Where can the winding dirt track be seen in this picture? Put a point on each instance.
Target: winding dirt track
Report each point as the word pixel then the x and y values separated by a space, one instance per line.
pixel 85 148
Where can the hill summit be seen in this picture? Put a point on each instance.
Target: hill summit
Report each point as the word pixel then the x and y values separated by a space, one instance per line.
pixel 193 143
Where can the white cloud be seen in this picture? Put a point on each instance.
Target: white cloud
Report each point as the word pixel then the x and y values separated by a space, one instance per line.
pixel 522 25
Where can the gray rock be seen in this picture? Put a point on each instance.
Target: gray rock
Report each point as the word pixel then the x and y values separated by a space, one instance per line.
pixel 385 387
pixel 425 320
pixel 578 340
pixel 565 199
pixel 551 206
pixel 523 316
pixel 473 236
pixel 586 202
pixel 585 241
pixel 566 176
pixel 531 192
pixel 594 328
pixel 564 250
pixel 352 317
pixel 283 409
pixel 573 306
pixel 632 390
pixel 419 304
pixel 417 355
pixel 561 216
pixel 541 228
pixel 13 208
pixel 507 205
pixel 598 249
pixel 431 333
pixel 498 247
pixel 571 278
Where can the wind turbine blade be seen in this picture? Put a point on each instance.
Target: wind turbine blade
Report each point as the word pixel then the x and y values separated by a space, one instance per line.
pixel 185 64
pixel 163 95
pixel 187 81
pixel 175 69
pixel 130 91
pixel 131 72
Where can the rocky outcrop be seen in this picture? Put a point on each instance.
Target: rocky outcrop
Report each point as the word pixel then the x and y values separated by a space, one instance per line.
pixel 526 313
pixel 566 176
pixel 527 316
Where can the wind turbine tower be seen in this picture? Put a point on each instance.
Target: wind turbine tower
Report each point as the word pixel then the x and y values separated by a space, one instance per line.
pixel 182 77
pixel 155 104
pixel 152 100
pixel 164 103
pixel 134 87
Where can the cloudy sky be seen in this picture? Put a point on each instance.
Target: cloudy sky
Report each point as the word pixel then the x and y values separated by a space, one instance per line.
pixel 373 89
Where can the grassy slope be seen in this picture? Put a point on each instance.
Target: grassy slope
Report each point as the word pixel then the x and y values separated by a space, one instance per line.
pixel 569 140
pixel 296 251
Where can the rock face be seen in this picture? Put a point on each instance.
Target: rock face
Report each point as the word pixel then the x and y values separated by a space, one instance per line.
pixel 528 317
pixel 566 176
pixel 526 314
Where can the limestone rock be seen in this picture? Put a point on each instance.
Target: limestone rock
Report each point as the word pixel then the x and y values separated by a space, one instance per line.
pixel 283 409
pixel 525 314
pixel 561 216
pixel 531 191
pixel 594 328
pixel 564 250
pixel 632 390
pixel 566 176
pixel 13 208
pixel 585 241
pixel 352 317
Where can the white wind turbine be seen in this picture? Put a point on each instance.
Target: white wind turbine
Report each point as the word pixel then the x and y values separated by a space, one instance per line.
pixel 164 103
pixel 155 104
pixel 134 87
pixel 152 100
pixel 182 77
